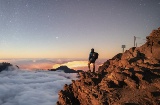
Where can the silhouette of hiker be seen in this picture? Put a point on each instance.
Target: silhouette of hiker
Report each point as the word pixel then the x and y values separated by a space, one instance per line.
pixel 92 58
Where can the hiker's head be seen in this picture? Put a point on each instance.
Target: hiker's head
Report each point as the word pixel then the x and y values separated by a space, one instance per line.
pixel 92 50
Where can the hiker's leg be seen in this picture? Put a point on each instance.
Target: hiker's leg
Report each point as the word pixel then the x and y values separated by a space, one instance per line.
pixel 89 65
pixel 93 67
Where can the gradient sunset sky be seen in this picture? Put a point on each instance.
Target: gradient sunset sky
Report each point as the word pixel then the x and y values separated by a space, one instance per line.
pixel 70 28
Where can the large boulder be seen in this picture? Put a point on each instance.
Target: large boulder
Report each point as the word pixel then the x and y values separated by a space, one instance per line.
pixel 151 48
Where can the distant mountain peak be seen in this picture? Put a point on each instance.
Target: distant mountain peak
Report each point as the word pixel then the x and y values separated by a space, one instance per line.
pixel 4 66
pixel 66 69
pixel 63 68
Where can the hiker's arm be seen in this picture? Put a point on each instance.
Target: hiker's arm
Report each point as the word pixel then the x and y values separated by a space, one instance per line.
pixel 89 56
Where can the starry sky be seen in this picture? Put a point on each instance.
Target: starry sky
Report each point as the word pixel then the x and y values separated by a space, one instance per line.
pixel 70 28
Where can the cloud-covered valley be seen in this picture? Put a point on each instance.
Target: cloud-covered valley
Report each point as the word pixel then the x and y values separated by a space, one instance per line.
pixel 34 64
pixel 37 87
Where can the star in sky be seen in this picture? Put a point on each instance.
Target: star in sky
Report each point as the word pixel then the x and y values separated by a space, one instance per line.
pixel 57 37
pixel 33 25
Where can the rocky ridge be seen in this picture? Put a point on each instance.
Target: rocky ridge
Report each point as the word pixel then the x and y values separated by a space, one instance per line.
pixel 4 66
pixel 129 78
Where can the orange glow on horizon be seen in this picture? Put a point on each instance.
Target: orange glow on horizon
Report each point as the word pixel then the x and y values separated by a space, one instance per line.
pixel 77 65
pixel 73 64
pixel 36 65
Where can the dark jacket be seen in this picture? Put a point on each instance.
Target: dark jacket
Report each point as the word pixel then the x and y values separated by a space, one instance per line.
pixel 91 56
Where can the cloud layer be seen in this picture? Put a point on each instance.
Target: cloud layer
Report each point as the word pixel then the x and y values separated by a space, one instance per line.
pixel 22 87
pixel 45 64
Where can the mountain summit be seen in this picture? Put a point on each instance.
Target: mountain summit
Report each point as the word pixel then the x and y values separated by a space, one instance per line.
pixel 129 78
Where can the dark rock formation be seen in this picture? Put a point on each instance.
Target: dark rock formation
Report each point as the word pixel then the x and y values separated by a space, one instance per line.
pixel 131 78
pixel 66 69
pixel 4 66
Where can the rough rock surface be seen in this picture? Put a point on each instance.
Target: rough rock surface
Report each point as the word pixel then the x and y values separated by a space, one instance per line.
pixel 129 78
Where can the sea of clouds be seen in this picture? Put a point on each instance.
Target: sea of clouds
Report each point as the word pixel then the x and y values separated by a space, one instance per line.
pixel 36 87
pixel 46 63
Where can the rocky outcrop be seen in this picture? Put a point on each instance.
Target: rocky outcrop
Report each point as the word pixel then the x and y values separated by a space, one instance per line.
pixel 129 78
pixel 4 66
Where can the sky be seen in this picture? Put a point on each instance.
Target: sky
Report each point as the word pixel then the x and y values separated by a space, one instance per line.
pixel 70 28
pixel 22 87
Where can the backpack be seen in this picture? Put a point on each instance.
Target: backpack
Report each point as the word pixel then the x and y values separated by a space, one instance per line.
pixel 95 55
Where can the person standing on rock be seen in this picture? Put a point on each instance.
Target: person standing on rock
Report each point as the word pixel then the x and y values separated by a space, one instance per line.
pixel 92 58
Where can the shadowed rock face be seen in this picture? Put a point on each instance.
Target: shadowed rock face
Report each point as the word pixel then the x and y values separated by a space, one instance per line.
pixel 129 78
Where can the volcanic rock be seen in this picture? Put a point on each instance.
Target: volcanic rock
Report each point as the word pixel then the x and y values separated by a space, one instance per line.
pixel 129 78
